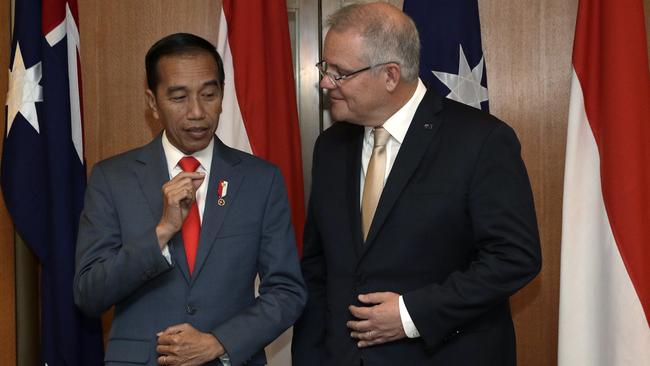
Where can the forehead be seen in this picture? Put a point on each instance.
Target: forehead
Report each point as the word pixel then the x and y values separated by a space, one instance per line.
pixel 186 69
pixel 343 49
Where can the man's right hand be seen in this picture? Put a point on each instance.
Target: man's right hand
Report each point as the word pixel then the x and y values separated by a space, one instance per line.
pixel 178 196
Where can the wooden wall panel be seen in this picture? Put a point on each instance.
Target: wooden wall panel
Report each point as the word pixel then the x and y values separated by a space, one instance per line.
pixel 7 277
pixel 527 45
pixel 115 36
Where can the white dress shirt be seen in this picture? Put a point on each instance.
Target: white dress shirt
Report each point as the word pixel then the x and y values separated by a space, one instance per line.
pixel 397 126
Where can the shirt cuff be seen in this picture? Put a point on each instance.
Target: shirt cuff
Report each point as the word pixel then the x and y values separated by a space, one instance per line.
pixel 407 323
pixel 167 255
pixel 225 359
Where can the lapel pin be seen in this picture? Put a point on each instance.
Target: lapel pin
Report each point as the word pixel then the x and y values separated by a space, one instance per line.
pixel 428 126
pixel 222 190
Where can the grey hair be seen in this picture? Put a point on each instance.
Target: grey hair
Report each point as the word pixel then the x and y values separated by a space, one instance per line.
pixel 387 38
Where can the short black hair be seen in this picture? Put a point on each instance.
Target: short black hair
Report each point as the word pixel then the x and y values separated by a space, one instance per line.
pixel 179 44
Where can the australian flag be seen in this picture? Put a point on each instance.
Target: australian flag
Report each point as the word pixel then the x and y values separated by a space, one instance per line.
pixel 451 59
pixel 43 173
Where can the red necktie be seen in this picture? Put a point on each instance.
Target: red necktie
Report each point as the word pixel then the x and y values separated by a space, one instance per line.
pixel 192 223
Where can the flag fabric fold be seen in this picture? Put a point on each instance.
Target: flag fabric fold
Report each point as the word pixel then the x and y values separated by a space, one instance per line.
pixel 451 59
pixel 43 173
pixel 260 113
pixel 605 276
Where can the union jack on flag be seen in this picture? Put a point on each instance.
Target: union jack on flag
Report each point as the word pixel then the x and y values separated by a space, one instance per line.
pixel 43 173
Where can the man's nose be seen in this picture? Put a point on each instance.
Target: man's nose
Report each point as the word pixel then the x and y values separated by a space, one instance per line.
pixel 327 83
pixel 195 109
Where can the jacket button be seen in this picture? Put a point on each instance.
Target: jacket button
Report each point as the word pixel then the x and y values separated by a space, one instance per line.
pixel 190 309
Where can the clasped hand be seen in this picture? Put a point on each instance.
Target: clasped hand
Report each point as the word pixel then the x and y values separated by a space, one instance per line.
pixel 184 345
pixel 379 323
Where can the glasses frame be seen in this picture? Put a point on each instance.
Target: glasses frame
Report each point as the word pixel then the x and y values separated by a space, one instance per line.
pixel 336 79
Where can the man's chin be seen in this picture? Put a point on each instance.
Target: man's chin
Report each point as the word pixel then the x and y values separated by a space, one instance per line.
pixel 338 115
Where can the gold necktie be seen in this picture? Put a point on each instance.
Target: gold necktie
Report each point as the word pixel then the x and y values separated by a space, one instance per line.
pixel 374 183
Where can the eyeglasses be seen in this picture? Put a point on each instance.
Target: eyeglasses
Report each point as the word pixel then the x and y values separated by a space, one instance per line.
pixel 336 78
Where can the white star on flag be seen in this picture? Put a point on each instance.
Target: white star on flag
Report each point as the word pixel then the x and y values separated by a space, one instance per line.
pixel 466 85
pixel 24 91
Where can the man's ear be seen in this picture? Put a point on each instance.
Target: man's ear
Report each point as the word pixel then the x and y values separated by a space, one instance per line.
pixel 393 74
pixel 151 102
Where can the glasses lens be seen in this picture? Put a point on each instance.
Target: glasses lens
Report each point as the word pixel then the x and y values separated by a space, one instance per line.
pixel 322 69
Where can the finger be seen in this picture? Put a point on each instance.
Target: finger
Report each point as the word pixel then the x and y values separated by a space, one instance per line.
pixel 360 326
pixel 181 196
pixel 171 330
pixel 172 186
pixel 374 297
pixel 364 336
pixel 196 182
pixel 177 328
pixel 165 360
pixel 190 175
pixel 360 312
pixel 374 342
pixel 165 340
pixel 177 192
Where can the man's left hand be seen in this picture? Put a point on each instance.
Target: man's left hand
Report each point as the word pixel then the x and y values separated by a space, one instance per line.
pixel 184 345
pixel 379 323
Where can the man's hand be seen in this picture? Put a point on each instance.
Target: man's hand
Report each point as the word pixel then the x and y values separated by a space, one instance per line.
pixel 184 345
pixel 377 324
pixel 178 196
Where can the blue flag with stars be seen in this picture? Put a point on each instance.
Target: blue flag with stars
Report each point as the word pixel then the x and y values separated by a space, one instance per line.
pixel 43 175
pixel 451 60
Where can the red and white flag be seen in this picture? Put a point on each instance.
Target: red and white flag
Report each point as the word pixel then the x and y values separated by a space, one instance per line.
pixel 260 113
pixel 605 271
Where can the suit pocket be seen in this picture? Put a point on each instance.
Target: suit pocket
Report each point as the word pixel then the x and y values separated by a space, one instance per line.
pixel 128 350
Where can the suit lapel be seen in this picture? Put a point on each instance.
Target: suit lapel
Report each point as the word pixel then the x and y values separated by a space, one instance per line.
pixel 418 138
pixel 353 197
pixel 223 169
pixel 151 178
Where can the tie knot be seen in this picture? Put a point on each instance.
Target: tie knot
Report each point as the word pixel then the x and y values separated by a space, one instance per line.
pixel 188 164
pixel 381 136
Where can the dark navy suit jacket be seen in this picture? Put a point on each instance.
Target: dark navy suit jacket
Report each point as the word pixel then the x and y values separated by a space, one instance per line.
pixel 455 233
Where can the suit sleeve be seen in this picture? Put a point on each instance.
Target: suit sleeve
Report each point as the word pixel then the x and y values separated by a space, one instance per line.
pixel 107 268
pixel 282 289
pixel 308 342
pixel 506 244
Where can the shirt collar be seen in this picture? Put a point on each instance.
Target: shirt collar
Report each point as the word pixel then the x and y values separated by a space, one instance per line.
pixel 398 124
pixel 173 154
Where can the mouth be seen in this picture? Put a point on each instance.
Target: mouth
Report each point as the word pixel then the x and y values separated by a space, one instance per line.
pixel 334 99
pixel 197 132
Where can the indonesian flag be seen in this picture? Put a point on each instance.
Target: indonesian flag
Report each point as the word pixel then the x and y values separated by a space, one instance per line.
pixel 605 271
pixel 259 103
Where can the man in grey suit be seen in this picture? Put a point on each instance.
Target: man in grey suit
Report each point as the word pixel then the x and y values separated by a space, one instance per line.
pixel 177 249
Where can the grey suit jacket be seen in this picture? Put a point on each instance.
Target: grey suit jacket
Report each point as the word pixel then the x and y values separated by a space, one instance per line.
pixel 119 262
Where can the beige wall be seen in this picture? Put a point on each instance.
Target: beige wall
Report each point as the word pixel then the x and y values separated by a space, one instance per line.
pixel 528 51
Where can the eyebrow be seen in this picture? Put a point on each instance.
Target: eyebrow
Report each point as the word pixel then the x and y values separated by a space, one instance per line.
pixel 176 88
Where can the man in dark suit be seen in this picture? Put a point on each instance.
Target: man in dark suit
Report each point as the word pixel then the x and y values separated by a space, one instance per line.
pixel 174 233
pixel 421 221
